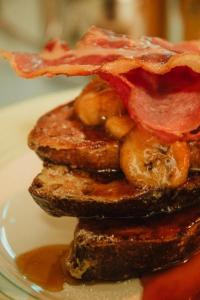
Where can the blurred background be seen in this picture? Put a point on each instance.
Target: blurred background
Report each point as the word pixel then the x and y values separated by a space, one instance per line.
pixel 26 25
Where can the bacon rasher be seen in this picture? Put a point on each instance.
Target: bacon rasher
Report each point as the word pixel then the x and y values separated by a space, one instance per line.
pixel 158 81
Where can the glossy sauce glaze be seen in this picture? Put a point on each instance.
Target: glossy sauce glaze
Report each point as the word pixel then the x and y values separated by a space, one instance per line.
pixel 43 266
pixel 178 283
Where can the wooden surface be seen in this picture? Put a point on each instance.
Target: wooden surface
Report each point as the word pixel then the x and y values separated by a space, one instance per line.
pixel 190 11
pixel 154 17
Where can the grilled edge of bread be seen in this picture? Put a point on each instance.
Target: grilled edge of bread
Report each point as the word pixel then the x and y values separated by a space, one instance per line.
pixel 64 192
pixel 115 250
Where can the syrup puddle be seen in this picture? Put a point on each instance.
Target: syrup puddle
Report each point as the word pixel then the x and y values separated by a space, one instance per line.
pixel 43 266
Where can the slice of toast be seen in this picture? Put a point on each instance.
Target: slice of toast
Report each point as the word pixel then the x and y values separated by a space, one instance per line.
pixel 60 137
pixel 109 249
pixel 63 192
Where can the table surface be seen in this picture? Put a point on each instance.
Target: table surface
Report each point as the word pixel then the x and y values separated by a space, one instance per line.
pixel 14 89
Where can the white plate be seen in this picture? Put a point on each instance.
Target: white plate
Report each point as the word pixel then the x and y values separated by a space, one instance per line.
pixel 23 225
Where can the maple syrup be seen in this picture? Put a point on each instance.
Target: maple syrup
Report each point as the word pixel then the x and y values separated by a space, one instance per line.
pixel 43 266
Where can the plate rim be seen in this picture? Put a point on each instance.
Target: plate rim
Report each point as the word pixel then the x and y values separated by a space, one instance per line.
pixel 47 102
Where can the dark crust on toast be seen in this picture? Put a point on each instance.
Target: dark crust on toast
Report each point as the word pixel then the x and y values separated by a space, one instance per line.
pixel 60 137
pixel 63 192
pixel 119 249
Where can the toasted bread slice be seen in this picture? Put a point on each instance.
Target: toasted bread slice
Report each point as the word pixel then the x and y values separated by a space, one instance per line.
pixel 60 137
pixel 63 192
pixel 118 249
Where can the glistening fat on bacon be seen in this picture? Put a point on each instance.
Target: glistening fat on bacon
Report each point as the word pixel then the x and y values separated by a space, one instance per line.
pixel 158 81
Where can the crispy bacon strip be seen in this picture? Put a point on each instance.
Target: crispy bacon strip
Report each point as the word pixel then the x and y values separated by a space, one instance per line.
pixel 158 81
pixel 97 49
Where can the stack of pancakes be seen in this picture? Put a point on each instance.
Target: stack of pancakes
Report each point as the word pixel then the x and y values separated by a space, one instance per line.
pixel 124 229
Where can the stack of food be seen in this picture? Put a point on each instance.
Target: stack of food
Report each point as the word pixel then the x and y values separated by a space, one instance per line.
pixel 124 156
